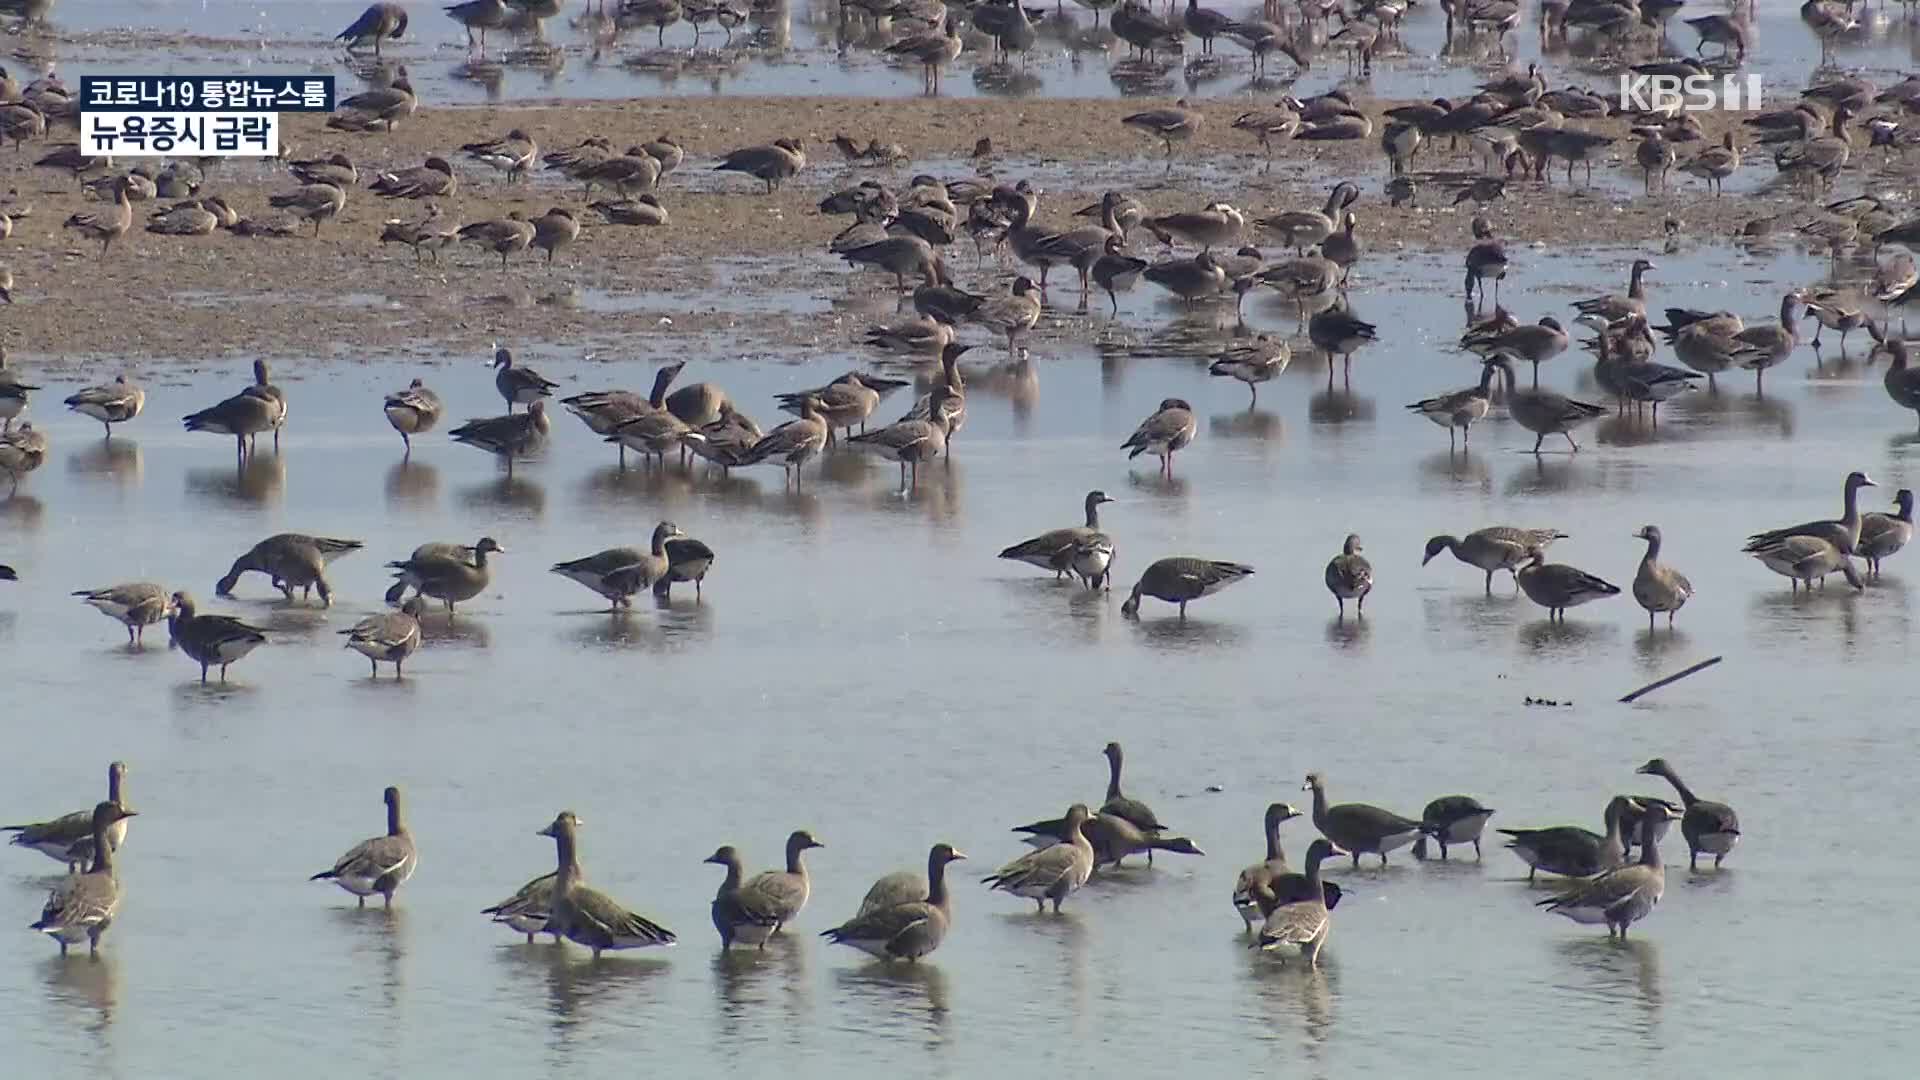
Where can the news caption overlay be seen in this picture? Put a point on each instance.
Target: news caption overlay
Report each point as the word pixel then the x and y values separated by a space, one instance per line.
pixel 194 115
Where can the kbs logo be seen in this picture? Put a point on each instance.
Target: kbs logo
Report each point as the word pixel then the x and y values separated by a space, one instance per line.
pixel 1694 93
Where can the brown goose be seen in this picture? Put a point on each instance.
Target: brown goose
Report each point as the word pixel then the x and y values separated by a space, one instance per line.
pixel 1169 430
pixel 738 917
pixel 1843 534
pixel 114 403
pixel 1350 577
pixel 1883 535
pixel 910 442
pixel 451 573
pixel 618 573
pixel 1358 828
pixel 210 639
pixel 1496 547
pixel 1181 580
pixel 1708 826
pixel 389 637
pixel 412 411
pixel 587 916
pixel 502 236
pixel 510 437
pixel 1613 306
pixel 1544 412
pixel 909 929
pixel 794 443
pixel 292 561
pixel 1452 819
pixel 1071 550
pixel 1557 586
pixel 775 897
pixel 432 180
pixel 1620 897
pixel 106 225
pixel 1658 587
pixel 1246 888
pixel 82 906
pixel 1054 872
pixel 135 605
pixel 378 865
pixel 1571 851
pixel 1296 906
pixel 68 839
pixel 311 202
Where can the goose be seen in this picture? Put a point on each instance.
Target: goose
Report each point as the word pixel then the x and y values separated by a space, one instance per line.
pixel 1013 314
pixel 1302 229
pixel 1544 412
pixel 1169 430
pixel 1487 258
pixel 1707 826
pixel 1833 309
pixel 725 442
pixel 1658 587
pixel 210 639
pixel 376 24
pixel 1338 333
pixel 555 231
pixel 1452 819
pixel 412 411
pixel 1496 547
pixel 850 398
pixel 1247 888
pixel 1115 271
pixel 1622 896
pixel 390 636
pixel 644 209
pixel 1350 577
pixel 513 436
pixel 778 895
pixel 432 180
pixel 1901 381
pixel 1054 872
pixel 1655 156
pixel 1731 32
pixel 430 234
pixel 1343 247
pixel 1357 828
pixel 1557 586
pixel 575 161
pixel 910 929
pixel 135 605
pixel 186 219
pixel 68 839
pixel 1175 124
pixel 378 865
pixel 1123 826
pixel 793 443
pixel 274 397
pixel 1628 379
pixel 913 336
pixel 1182 579
pixel 618 573
pixel 635 170
pixel 911 441
pixel 313 203
pixel 109 224
pixel 1707 346
pixel 480 15
pixel 1189 279
pixel 1218 224
pixel 519 385
pixel 652 434
pixel 1460 410
pixel 449 573
pixel 335 169
pixel 1883 535
pixel 586 916
pixel 514 154
pixel 1007 23
pixel 82 906
pixel 502 236
pixel 1259 359
pixel 737 915
pixel 1843 534
pixel 1535 343
pixel 603 411
pixel 772 164
pixel 1266 125
pixel 1804 559
pixel 22 451
pixel 13 394
pixel 1078 550
pixel 1758 348
pixel 1571 851
pixel 292 561
pixel 528 909
pixel 1614 306
pixel 687 560
pixel 1714 164
pixel 697 404
pixel 933 52
pixel 1146 33
pixel 1296 906
pixel 896 255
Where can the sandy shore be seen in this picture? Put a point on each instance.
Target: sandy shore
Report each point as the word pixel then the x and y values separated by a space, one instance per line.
pixel 345 296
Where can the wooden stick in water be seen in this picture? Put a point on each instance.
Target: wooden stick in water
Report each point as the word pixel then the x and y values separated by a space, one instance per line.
pixel 1673 678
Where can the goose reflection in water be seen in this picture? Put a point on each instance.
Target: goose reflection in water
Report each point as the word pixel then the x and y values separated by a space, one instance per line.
pixel 1564 636
pixel 1250 424
pixel 507 493
pixel 91 990
pixel 1444 469
pixel 888 994
pixel 412 483
pixel 1336 407
pixel 118 460
pixel 1622 972
pixel 256 481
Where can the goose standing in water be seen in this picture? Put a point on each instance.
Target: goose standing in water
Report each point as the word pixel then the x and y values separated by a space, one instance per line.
pixel 519 385
pixel 114 403
pixel 210 639
pixel 1535 343
pixel 1169 430
pixel 1883 535
pixel 292 561
pixel 450 573
pixel 752 911
pixel 243 416
pixel 1708 826
pixel 135 605
pixel 390 636
pixel 912 441
pixel 1902 382
pixel 509 437
pixel 1758 348
pixel 1302 229
pixel 1261 359
pixel 587 916
pixel 1082 550
pixel 528 909
pixel 276 399
pixel 1843 534
pixel 794 443
pixel 1544 412
pixel 82 906
pixel 1181 580
pixel 68 839
pixel 1452 819
pixel 1620 897
pixel 1338 333
pixel 933 52
pixel 1247 887
pixel 378 865
pixel 1658 587
pixel 1298 913
pixel 22 451
pixel 1557 586
pixel 1496 547
pixel 1358 828
pixel 1350 577
pixel 1486 259
pixel 1613 307
pixel 1571 851
pixel 618 573
pixel 1459 410
pixel 1805 560
pixel 1013 314
pixel 412 411
pixel 1054 872
pixel 908 930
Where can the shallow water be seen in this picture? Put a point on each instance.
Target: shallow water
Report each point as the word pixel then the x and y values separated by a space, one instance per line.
pixel 864 667
pixel 803 48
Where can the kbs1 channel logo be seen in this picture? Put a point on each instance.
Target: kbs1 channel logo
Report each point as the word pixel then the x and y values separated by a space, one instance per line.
pixel 1673 94
pixel 193 115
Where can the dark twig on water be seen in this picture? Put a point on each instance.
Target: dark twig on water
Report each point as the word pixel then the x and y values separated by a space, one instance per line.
pixel 1673 678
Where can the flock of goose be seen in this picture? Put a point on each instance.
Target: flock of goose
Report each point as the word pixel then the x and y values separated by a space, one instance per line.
pixel 905 915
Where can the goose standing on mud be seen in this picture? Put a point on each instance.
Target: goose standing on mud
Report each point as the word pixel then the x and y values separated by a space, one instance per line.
pixel 1708 826
pixel 114 403
pixel 1496 547
pixel 1181 580
pixel 1302 229
pixel 1658 587
pixel 412 411
pixel 1169 430
pixel 1350 577
pixel 1081 550
pixel 1557 586
pixel 112 223
pixel 772 164
pixel 1174 124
